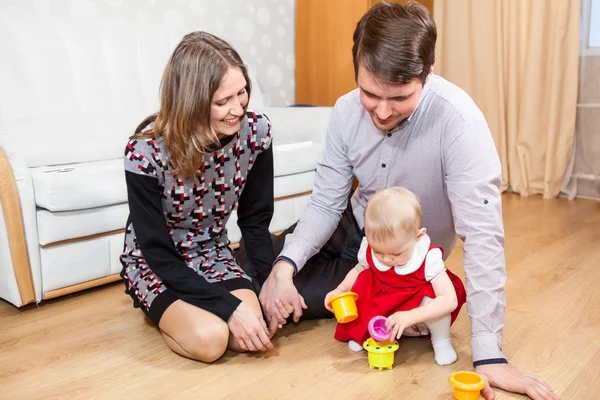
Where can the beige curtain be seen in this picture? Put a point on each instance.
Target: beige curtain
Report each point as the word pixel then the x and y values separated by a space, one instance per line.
pixel 518 59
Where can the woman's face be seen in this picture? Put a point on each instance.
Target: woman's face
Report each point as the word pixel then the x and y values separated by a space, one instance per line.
pixel 227 106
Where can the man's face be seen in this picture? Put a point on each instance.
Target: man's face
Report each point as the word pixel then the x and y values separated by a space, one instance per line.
pixel 387 103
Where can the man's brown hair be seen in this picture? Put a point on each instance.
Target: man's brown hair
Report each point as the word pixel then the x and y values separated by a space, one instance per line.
pixel 395 42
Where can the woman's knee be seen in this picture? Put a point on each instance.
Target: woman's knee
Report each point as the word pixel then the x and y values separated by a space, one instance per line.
pixel 207 343
pixel 193 332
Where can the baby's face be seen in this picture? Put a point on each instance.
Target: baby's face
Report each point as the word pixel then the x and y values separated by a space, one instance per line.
pixel 395 252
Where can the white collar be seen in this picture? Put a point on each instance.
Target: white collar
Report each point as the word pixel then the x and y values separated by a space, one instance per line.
pixel 418 256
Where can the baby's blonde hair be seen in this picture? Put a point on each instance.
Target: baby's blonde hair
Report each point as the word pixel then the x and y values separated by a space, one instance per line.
pixel 392 211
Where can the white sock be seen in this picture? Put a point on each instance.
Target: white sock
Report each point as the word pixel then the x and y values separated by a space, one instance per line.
pixel 355 346
pixel 440 337
pixel 444 352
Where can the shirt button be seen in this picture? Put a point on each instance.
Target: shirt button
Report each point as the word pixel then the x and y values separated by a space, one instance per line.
pixel 383 165
pixel 389 135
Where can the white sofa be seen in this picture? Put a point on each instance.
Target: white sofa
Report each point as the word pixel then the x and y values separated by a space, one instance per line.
pixel 72 90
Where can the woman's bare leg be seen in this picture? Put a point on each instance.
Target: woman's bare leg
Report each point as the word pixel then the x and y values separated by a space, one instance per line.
pixel 193 332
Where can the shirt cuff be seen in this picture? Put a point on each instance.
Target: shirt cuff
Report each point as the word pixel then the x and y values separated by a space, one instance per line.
pixel 289 260
pixel 295 254
pixel 490 361
pixel 486 347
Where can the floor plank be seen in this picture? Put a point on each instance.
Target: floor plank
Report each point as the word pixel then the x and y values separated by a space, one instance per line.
pixel 94 345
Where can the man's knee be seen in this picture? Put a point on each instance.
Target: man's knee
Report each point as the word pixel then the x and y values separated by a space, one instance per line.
pixel 318 278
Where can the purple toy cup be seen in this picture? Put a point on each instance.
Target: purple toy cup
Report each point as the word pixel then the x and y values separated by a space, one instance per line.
pixel 378 331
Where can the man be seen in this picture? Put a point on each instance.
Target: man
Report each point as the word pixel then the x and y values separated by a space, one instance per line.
pixel 404 126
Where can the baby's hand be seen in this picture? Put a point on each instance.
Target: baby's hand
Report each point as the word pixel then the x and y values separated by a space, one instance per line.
pixel 329 295
pixel 397 322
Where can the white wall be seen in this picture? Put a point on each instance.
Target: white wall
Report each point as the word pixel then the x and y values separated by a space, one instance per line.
pixel 262 31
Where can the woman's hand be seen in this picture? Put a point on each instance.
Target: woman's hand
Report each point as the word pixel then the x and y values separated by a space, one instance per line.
pixel 249 329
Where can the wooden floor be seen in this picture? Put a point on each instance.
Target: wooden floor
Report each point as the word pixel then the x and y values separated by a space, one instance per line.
pixel 94 345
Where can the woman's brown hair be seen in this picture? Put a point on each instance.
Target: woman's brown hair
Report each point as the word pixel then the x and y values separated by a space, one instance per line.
pixel 191 78
pixel 395 42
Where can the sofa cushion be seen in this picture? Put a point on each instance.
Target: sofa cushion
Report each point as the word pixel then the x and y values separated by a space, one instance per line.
pixel 80 186
pixel 55 226
pixel 289 185
pixel 90 185
pixel 295 158
pixel 72 263
pixel 299 124
pixel 298 134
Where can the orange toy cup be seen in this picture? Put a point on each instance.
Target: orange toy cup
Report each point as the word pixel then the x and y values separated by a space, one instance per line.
pixel 344 307
pixel 467 385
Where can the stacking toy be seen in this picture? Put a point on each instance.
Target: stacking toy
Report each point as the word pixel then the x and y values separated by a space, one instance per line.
pixel 467 385
pixel 378 330
pixel 381 355
pixel 344 307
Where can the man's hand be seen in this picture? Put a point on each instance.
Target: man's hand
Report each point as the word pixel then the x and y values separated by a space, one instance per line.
pixel 279 297
pixel 509 378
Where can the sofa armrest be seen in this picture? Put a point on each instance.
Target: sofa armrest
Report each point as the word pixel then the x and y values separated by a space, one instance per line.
pixel 19 256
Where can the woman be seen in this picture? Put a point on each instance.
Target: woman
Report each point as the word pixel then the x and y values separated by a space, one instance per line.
pixel 187 167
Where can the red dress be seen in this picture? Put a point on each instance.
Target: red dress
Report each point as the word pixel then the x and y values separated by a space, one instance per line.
pixel 386 292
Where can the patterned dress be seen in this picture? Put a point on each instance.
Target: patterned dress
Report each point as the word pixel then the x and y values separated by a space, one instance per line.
pixel 176 244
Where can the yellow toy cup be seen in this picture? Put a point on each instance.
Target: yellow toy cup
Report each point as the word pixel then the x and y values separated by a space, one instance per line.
pixel 467 385
pixel 381 355
pixel 344 307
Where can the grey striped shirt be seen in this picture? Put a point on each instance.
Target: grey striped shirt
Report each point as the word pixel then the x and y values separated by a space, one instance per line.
pixel 445 154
